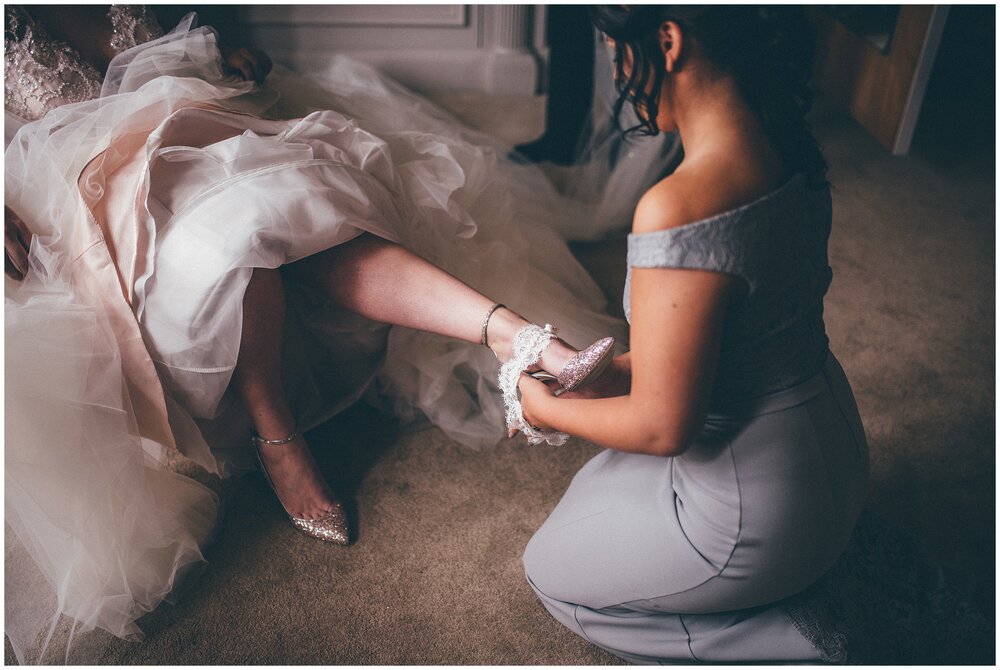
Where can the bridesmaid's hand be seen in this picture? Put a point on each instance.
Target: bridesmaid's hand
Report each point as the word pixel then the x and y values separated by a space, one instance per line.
pixel 16 242
pixel 616 380
pixel 534 396
pixel 251 64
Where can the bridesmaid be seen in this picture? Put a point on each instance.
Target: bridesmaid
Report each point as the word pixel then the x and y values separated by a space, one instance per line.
pixel 737 463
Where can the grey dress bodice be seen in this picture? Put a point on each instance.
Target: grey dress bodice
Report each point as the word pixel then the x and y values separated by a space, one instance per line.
pixel 773 336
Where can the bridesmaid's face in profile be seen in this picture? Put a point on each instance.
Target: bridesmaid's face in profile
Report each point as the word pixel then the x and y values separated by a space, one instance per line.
pixel 663 119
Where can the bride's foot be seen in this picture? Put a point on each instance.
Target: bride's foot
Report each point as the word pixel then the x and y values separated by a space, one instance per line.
pixel 565 365
pixel 290 469
pixel 504 324
pixel 523 347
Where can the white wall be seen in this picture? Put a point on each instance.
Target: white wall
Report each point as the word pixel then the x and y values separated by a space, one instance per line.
pixel 496 49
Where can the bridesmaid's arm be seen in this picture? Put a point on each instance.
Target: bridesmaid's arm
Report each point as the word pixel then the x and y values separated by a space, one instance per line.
pixel 677 319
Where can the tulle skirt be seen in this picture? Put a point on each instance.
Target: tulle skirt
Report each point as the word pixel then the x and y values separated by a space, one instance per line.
pixel 151 206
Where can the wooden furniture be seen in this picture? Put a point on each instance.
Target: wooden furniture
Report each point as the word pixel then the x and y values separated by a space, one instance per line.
pixel 882 91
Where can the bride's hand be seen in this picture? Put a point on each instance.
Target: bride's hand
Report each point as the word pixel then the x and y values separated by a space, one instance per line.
pixel 16 242
pixel 251 64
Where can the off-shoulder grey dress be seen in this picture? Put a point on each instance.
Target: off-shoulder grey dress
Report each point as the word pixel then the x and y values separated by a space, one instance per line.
pixel 683 559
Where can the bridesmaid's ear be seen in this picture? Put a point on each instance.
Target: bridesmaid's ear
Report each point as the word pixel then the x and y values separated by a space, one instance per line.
pixel 671 42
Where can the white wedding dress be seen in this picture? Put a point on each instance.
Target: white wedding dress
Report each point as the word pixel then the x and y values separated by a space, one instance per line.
pixel 150 206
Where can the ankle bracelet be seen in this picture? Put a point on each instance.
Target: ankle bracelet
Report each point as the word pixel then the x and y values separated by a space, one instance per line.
pixel 486 323
pixel 285 440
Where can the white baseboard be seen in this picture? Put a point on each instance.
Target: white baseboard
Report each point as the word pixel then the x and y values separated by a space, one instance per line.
pixel 493 49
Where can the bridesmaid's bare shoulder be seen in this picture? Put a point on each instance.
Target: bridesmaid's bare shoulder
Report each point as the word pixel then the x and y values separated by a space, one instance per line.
pixel 701 189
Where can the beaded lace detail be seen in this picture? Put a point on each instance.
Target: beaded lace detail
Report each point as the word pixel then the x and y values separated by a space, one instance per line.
pixel 132 25
pixel 42 73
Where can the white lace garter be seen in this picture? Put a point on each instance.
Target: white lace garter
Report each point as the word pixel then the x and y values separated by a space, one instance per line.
pixel 528 344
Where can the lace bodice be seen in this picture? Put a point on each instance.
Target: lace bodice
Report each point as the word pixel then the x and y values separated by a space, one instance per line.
pixel 42 73
pixel 773 336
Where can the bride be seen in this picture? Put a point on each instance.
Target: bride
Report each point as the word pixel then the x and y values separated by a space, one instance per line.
pixel 199 252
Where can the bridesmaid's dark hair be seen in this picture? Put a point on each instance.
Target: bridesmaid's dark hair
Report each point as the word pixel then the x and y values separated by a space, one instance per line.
pixel 766 49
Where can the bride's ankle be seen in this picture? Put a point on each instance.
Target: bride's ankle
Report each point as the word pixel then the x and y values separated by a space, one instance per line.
pixel 276 433
pixel 504 325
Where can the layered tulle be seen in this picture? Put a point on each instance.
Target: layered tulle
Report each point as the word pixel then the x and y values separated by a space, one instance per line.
pixel 150 208
pixel 97 529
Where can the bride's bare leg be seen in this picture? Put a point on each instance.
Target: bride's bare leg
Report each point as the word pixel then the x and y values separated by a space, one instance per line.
pixel 385 282
pixel 258 380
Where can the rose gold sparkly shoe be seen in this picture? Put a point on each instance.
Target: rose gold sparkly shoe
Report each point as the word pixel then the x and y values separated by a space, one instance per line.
pixel 331 527
pixel 583 368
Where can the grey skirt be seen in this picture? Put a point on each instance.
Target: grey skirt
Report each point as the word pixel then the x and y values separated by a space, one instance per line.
pixel 661 559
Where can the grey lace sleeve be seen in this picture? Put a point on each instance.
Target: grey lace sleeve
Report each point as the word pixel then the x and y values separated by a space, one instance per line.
pixel 718 244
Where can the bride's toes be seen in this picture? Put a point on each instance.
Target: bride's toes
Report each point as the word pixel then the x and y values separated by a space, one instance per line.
pixel 317 508
pixel 297 482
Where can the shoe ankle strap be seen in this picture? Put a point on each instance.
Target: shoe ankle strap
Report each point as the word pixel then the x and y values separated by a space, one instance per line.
pixel 486 324
pixel 285 440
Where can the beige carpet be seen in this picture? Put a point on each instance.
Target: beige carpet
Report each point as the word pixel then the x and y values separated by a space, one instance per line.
pixel 435 574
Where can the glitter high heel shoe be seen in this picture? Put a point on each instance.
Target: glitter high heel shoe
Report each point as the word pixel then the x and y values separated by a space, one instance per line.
pixel 583 368
pixel 331 527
